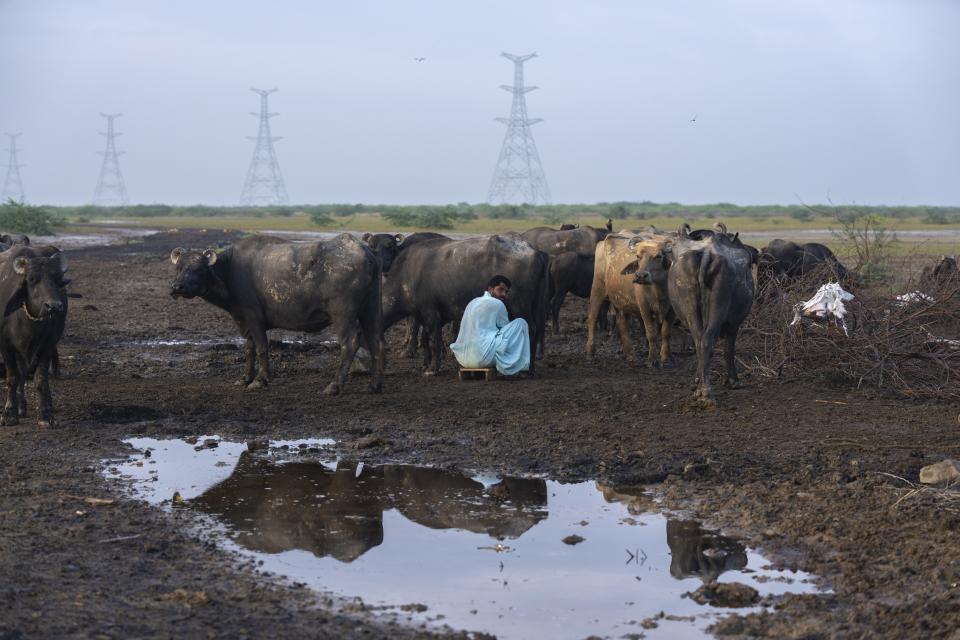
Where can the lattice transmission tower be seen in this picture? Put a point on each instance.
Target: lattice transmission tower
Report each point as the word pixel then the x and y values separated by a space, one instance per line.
pixel 111 191
pixel 264 184
pixel 518 178
pixel 12 184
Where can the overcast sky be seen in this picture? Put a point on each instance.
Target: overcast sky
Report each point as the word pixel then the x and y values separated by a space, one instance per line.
pixel 858 101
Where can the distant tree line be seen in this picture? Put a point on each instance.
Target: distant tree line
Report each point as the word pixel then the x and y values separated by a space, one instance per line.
pixel 448 216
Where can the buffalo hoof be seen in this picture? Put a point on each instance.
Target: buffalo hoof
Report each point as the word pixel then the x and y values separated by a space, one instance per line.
pixel 257 384
pixel 429 373
pixel 46 424
pixel 242 382
pixel 22 412
pixel 734 384
pixel 376 388
pixel 704 402
pixel 332 389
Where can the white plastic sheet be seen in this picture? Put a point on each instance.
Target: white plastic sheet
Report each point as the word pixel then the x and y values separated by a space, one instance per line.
pixel 826 304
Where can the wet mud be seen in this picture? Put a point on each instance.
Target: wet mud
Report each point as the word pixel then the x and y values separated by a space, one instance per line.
pixel 812 474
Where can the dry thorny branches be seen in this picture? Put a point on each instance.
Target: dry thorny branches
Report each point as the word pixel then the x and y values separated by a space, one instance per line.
pixel 906 346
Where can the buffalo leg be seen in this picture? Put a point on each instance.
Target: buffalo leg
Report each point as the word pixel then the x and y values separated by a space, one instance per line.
pixel 597 304
pixel 435 352
pixel 9 416
pixel 371 325
pixel 55 363
pixel 555 305
pixel 650 333
pixel 41 379
pixel 623 326
pixel 349 337
pixel 665 340
pixel 732 380
pixel 426 337
pixel 21 390
pixel 250 367
pixel 258 335
pixel 411 338
pixel 704 347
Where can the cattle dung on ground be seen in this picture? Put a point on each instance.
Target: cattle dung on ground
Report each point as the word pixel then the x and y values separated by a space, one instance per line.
pixel 266 283
pixel 434 280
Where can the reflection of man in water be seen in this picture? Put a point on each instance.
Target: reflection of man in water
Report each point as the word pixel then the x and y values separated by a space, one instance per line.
pixel 487 335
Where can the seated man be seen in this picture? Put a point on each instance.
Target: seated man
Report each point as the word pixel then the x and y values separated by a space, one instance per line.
pixel 487 336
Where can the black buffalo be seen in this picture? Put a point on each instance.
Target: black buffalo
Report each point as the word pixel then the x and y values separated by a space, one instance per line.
pixel 711 289
pixel 581 241
pixel 388 245
pixel 943 272
pixel 8 240
pixel 569 273
pixel 783 258
pixel 434 280
pixel 267 283
pixel 34 298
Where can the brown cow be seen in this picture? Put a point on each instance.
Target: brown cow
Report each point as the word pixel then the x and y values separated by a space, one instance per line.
pixel 621 264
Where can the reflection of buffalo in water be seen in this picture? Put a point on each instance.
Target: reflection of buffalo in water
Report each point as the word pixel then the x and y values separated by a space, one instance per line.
pixel 274 508
pixel 338 513
pixel 445 500
pixel 700 553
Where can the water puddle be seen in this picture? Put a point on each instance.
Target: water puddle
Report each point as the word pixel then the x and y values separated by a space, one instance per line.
pixel 94 238
pixel 516 557
pixel 324 340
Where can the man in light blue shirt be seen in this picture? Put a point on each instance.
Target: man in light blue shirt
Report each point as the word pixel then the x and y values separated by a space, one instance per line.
pixel 487 335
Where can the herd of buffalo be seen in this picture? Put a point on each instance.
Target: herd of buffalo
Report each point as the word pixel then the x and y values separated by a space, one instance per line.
pixel 359 287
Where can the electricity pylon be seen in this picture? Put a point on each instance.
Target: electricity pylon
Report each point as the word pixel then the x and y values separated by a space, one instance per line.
pixel 111 191
pixel 264 184
pixel 518 178
pixel 12 184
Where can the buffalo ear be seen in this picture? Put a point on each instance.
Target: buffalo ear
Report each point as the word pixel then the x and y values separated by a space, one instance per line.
pixel 366 237
pixel 630 268
pixel 398 237
pixel 211 257
pixel 6 239
pixel 61 261
pixel 176 254
pixel 20 265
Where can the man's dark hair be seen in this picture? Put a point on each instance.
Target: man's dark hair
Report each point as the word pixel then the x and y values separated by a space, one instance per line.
pixel 495 280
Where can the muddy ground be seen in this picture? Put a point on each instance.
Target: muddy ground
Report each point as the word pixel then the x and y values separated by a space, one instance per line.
pixel 796 468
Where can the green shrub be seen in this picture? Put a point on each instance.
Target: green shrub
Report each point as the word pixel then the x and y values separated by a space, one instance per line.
pixel 22 218
pixel 320 218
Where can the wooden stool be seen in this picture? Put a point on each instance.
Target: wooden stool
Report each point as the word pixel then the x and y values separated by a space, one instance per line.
pixel 477 374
